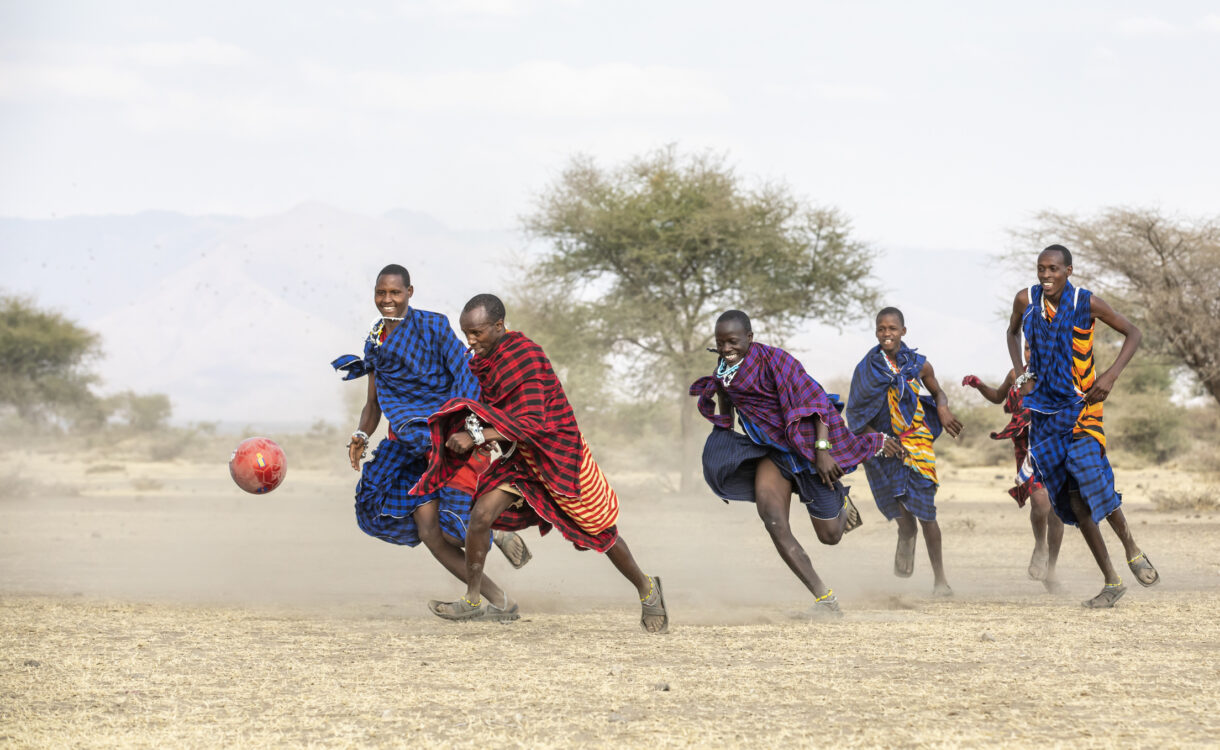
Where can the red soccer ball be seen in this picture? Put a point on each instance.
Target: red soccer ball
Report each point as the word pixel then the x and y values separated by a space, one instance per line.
pixel 258 465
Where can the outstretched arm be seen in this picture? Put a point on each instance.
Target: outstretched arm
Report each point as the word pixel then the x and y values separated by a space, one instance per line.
pixel 947 420
pixel 1015 351
pixel 1131 341
pixel 994 395
pixel 370 417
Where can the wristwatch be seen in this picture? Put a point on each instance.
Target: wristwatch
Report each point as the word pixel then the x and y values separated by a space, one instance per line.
pixel 475 429
pixel 822 445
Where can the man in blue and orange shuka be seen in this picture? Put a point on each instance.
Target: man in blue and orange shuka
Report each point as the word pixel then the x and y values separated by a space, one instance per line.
pixel 794 441
pixel 1067 442
pixel 541 472
pixel 894 389
pixel 415 363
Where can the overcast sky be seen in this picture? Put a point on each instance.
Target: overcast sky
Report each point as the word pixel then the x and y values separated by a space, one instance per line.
pixel 931 124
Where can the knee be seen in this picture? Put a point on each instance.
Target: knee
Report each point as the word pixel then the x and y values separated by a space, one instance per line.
pixel 775 521
pixel 481 518
pixel 429 533
pixel 827 536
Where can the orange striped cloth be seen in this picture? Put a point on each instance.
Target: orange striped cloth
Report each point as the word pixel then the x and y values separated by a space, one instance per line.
pixel 596 508
pixel 1084 373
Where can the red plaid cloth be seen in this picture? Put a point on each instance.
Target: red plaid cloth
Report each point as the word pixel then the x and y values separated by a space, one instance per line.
pixel 1018 430
pixel 524 400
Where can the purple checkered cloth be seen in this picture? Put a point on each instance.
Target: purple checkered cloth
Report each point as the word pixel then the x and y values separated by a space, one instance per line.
pixel 780 399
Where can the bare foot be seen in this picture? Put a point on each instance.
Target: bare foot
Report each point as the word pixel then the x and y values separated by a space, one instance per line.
pixel 1038 563
pixel 942 590
pixel 904 556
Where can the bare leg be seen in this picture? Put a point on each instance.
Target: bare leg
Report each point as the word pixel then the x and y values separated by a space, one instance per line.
pixel 773 498
pixel 1118 522
pixel 478 537
pixel 624 561
pixel 1039 520
pixel 1092 537
pixel 931 537
pixel 448 551
pixel 1054 538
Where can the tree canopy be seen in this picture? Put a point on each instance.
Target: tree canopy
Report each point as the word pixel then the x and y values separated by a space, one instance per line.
pixel 656 248
pixel 44 360
pixel 1161 271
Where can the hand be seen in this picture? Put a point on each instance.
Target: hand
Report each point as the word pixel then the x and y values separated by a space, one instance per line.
pixel 828 469
pixel 460 442
pixel 1101 389
pixel 892 447
pixel 948 421
pixel 972 381
pixel 355 451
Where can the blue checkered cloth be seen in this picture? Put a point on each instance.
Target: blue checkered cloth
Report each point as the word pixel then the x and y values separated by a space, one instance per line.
pixel 419 367
pixel 895 486
pixel 870 386
pixel 1064 462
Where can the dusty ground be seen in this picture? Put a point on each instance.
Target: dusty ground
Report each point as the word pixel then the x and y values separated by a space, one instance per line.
pixel 160 607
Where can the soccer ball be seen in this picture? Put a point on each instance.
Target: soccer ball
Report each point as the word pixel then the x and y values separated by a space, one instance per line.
pixel 258 465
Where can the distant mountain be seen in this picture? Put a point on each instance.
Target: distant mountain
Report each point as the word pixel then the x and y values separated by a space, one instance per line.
pixel 237 319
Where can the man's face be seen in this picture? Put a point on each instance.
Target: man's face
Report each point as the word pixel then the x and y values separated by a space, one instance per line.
pixel 1052 273
pixel 733 341
pixel 391 296
pixel 890 331
pixel 482 334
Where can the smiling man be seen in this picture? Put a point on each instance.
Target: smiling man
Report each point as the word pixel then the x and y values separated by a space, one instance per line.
pixel 541 472
pixel 894 389
pixel 794 441
pixel 415 364
pixel 1067 441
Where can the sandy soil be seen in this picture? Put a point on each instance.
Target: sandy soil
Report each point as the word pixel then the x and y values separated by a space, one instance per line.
pixel 155 605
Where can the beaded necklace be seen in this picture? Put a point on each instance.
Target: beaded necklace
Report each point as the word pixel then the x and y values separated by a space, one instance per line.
pixel 726 373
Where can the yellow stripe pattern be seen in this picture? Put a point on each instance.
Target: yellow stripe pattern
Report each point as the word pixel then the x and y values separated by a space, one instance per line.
pixel 914 435
pixel 596 508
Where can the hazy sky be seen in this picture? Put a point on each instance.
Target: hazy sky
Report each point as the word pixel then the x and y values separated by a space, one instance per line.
pixel 931 124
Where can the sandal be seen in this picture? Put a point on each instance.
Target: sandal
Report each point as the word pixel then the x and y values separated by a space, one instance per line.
pixel 502 614
pixel 1110 594
pixel 513 547
pixel 463 610
pixel 904 557
pixel 825 607
pixel 853 520
pixel 1140 566
pixel 653 605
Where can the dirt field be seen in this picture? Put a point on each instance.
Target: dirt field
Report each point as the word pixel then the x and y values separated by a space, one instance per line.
pixel 154 605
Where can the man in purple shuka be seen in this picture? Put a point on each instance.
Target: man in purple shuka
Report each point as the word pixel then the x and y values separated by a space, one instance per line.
pixel 794 441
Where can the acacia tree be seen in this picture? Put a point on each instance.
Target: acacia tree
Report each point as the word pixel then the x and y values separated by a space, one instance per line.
pixel 658 247
pixel 44 360
pixel 1161 271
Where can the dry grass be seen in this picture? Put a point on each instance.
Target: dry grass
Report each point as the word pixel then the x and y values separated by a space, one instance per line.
pixel 1189 498
pixel 196 616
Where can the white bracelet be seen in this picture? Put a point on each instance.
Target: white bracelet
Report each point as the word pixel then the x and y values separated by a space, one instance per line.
pixel 360 434
pixel 474 428
pixel 881 450
pixel 1024 377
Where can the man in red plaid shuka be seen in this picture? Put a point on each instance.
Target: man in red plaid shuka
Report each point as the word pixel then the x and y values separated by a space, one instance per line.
pixel 541 472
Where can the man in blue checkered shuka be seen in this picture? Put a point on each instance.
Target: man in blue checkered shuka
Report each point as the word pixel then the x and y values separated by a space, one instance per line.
pixel 415 363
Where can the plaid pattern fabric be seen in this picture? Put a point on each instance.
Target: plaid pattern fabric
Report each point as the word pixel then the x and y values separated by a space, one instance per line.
pixel 773 391
pixel 419 367
pixel 1018 430
pixel 871 383
pixel 730 463
pixel 524 400
pixel 1066 439
pixel 384 505
pixel 895 485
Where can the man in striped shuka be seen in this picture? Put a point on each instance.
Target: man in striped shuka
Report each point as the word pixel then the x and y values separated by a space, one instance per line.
pixel 541 472
pixel 1067 441
pixel 792 441
pixel 894 390
pixel 414 364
